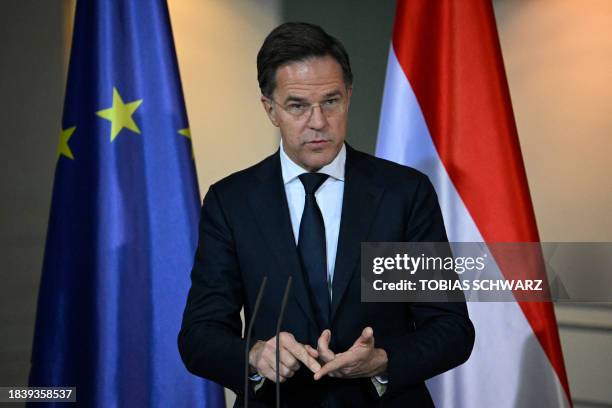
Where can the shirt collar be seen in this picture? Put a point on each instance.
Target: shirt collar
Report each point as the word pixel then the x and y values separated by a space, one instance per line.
pixel 292 170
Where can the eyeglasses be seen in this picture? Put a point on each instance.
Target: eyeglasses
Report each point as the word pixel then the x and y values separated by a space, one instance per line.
pixel 303 110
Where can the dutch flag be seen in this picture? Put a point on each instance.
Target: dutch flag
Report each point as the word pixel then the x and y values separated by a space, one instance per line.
pixel 447 112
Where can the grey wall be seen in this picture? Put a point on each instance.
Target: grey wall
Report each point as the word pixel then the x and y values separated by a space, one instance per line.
pixel 364 27
pixel 32 87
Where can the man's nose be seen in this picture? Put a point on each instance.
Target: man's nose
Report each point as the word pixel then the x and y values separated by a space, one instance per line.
pixel 317 119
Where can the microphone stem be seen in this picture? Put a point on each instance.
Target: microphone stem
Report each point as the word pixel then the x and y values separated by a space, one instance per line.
pixel 262 288
pixel 278 327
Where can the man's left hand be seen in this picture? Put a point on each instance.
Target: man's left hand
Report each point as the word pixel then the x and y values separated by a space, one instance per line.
pixel 361 360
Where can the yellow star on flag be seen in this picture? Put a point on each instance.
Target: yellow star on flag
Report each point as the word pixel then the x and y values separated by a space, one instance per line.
pixel 187 133
pixel 120 115
pixel 62 147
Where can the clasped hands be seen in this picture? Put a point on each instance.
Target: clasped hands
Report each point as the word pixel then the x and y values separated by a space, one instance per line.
pixel 361 360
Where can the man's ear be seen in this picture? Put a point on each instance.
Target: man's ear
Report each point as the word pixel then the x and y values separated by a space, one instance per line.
pixel 270 111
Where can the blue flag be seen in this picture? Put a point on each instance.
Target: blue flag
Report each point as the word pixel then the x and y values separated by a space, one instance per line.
pixel 123 223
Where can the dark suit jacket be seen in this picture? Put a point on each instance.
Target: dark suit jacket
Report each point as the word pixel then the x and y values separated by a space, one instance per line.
pixel 246 234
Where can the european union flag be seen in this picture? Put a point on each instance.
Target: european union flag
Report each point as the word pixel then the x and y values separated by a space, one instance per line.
pixel 123 224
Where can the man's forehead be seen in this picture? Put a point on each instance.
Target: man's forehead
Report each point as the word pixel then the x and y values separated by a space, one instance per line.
pixel 321 76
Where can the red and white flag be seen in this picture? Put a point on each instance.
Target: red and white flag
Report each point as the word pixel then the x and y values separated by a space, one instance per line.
pixel 447 112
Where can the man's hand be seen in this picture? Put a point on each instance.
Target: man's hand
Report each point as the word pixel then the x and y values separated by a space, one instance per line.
pixel 325 354
pixel 262 357
pixel 361 360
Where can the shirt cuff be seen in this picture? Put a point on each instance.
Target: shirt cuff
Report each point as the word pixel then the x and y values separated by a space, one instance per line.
pixel 380 383
pixel 258 380
pixel 383 379
pixel 255 377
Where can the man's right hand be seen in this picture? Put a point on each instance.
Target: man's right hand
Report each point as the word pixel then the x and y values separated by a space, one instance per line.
pixel 262 357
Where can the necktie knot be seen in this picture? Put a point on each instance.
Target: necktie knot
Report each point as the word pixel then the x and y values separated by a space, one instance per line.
pixel 312 181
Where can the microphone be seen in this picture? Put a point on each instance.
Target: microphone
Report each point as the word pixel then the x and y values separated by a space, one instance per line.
pixel 262 288
pixel 278 326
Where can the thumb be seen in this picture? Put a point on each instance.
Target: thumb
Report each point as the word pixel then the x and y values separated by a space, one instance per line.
pixel 325 339
pixel 366 338
pixel 323 346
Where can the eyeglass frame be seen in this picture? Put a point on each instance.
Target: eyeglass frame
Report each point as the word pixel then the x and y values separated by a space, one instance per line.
pixel 310 109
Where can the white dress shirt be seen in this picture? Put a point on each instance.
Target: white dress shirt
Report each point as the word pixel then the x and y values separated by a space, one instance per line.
pixel 329 198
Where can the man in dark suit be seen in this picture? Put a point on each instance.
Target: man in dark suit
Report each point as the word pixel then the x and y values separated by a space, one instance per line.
pixel 303 212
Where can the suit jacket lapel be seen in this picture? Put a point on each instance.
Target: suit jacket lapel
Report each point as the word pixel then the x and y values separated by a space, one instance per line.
pixel 361 197
pixel 271 212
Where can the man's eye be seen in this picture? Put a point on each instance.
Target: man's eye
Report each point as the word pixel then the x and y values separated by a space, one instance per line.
pixel 331 102
pixel 296 106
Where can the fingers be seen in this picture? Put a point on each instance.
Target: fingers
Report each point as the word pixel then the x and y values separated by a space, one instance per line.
pixel 366 338
pixel 298 351
pixel 288 364
pixel 346 364
pixel 268 370
pixel 284 372
pixel 323 346
pixel 337 363
pixel 286 359
pixel 293 354
pixel 266 365
pixel 313 353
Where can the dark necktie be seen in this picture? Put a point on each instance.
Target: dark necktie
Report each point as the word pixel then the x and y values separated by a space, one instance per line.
pixel 312 248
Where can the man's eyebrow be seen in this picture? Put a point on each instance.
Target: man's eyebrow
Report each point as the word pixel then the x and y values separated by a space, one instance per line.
pixel 292 98
pixel 332 94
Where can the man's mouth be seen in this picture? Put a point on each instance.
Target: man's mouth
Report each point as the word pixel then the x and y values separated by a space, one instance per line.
pixel 317 142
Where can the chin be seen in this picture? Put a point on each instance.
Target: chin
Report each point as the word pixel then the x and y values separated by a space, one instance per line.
pixel 317 163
